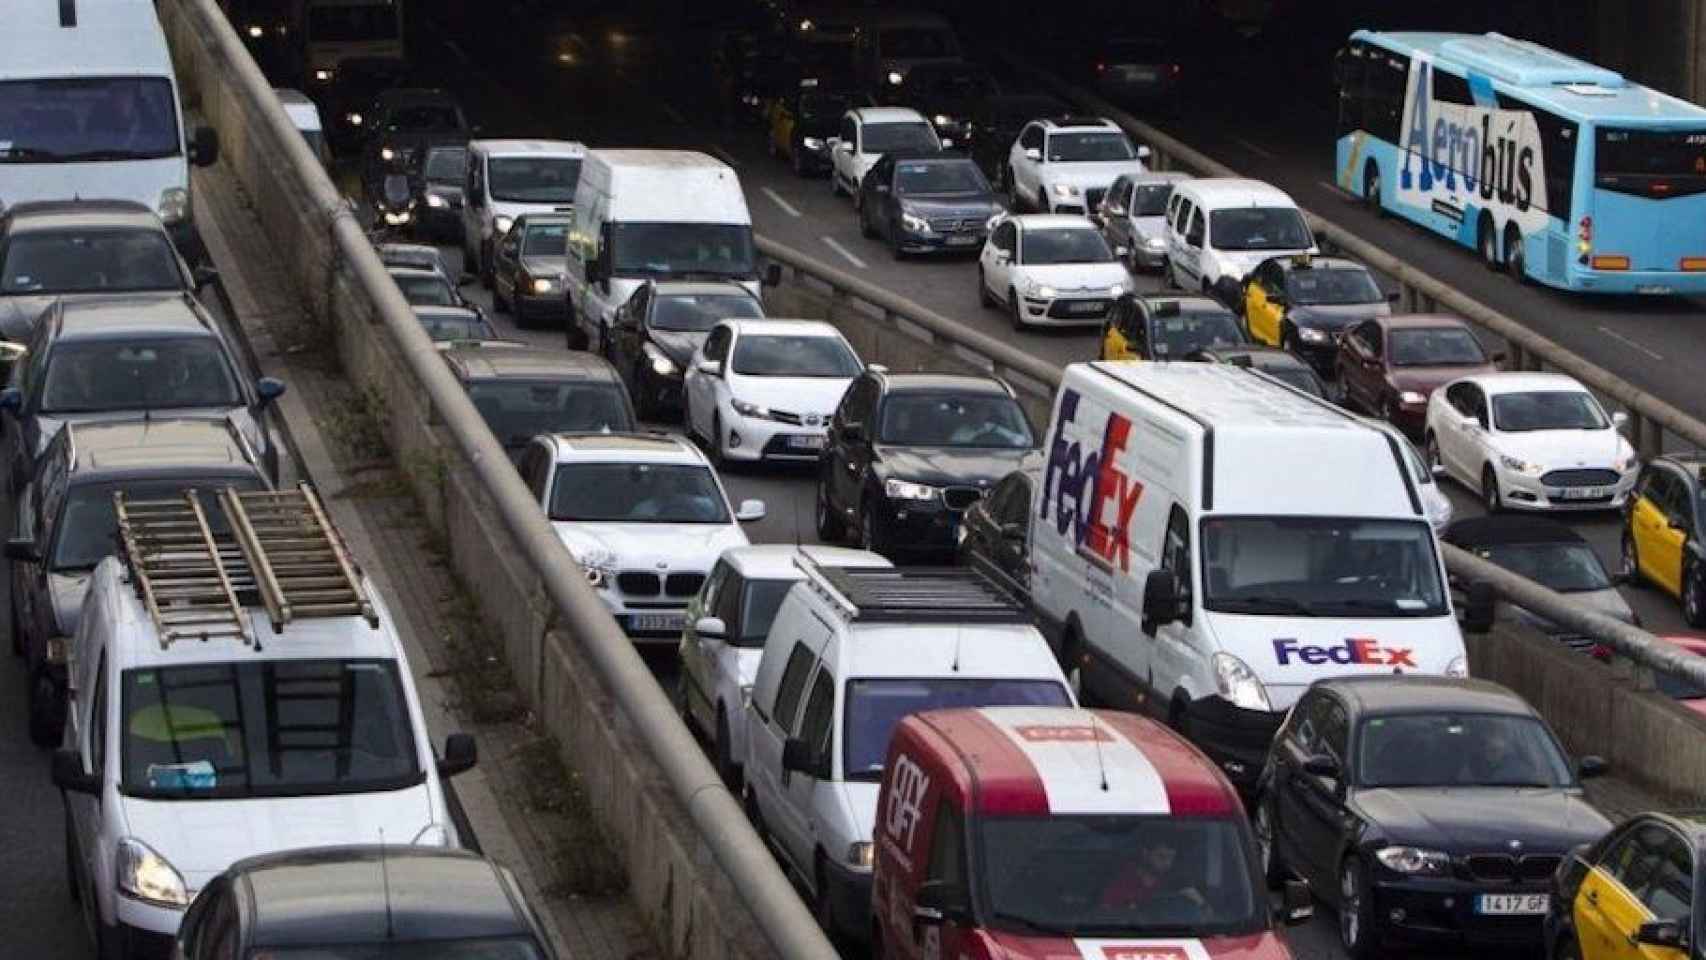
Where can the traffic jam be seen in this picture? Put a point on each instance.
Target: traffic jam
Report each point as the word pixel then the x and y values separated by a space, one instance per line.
pixel 1087 685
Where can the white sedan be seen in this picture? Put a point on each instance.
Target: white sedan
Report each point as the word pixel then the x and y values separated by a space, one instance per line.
pixel 1050 270
pixel 1530 441
pixel 766 389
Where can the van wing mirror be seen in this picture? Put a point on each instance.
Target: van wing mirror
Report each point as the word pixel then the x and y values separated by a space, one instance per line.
pixel 797 758
pixel 1161 599
pixel 460 755
pixel 1323 766
pixel 938 902
pixel 204 147
pixel 772 275
pixel 1662 933
pixel 1479 607
pixel 1033 154
pixel 22 550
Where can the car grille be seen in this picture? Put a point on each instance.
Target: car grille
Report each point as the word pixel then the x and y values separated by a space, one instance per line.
pixel 1060 310
pixel 638 584
pixel 1093 198
pixel 799 419
pixel 951 225
pixel 1580 478
pixel 683 584
pixel 1505 868
pixel 961 498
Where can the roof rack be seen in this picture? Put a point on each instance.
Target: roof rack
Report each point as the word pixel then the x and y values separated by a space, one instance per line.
pixel 181 572
pixel 300 565
pixel 912 594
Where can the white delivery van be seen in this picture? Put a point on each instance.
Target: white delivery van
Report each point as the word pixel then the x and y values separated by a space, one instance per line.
pixel 89 109
pixel 505 179
pixel 305 117
pixel 1218 230
pixel 653 215
pixel 1205 544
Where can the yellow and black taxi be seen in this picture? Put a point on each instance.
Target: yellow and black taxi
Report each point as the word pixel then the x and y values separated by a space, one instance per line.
pixel 1166 328
pixel 1663 541
pixel 1630 896
pixel 1304 304
pixel 803 120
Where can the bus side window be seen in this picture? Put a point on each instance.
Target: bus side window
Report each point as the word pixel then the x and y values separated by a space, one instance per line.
pixel 1350 71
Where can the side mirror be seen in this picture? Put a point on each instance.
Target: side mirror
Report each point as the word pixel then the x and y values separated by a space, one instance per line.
pixel 711 368
pixel 797 757
pixel 460 755
pixel 1663 933
pixel 1013 531
pixel 1122 252
pixel 1619 420
pixel 712 627
pixel 938 902
pixel 772 275
pixel 750 510
pixel 1033 154
pixel 853 433
pixel 1471 423
pixel 204 147
pixel 1160 599
pixel 833 143
pixel 268 389
pixel 1194 239
pixel 69 775
pixel 1144 153
pixel 1323 766
pixel 23 550
pixel 1296 906
pixel 1590 766
pixel 11 400
pixel 203 277
pixel 1002 256
pixel 1478 607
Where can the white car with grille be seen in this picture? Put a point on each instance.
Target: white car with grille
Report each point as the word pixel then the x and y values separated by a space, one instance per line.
pixel 766 389
pixel 1050 270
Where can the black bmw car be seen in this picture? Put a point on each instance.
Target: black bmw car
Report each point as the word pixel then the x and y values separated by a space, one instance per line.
pixel 657 331
pixel 1427 810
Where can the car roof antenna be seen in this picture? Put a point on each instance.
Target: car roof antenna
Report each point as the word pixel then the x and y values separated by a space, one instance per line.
pixel 1095 739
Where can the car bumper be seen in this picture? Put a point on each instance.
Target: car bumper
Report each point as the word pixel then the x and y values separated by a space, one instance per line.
pixel 1528 493
pixel 148 930
pixel 553 304
pixel 942 242
pixel 849 900
pixel 1441 911
pixel 752 440
pixel 1235 739
pixel 440 220
pixel 1150 258
pixel 1651 282
pixel 1064 311
pixel 918 526
pixel 652 622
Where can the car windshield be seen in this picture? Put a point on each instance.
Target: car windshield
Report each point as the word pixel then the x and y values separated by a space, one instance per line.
pixel 94 118
pixel 447 164
pixel 1120 876
pixel 424 118
pixel 1547 410
pixel 87 531
pixel 780 355
pixel 534 179
pixel 89 376
pixel 904 137
pixel 954 420
pixel 1458 750
pixel 683 249
pixel 1064 245
pixel 758 609
pixel 456 325
pixel 484 948
pixel 266 728
pixel 637 493
pixel 519 410
pixel 353 23
pixel 425 290
pixel 1339 285
pixel 1434 347
pixel 917 43
pixel 545 240
pixel 875 707
pixel 1182 334
pixel 817 105
pixel 1562 566
pixel 87 261
pixel 948 81
pixel 1150 199
pixel 919 178
pixel 1321 567
pixel 699 312
pixel 1089 147
pixel 1258 228
pixel 418 258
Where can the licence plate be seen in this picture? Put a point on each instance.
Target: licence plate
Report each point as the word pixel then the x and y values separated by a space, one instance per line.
pixel 1586 493
pixel 962 240
pixel 1654 289
pixel 805 443
pixel 657 621
pixel 1512 904
pixel 1139 73
pixel 1084 307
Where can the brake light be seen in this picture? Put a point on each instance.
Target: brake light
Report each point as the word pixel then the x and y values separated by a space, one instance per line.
pixel 1100 67
pixel 1584 237
pixel 1610 262
pixel 1693 264
pixel 1177 69
pixel 1600 652
pixel 1659 186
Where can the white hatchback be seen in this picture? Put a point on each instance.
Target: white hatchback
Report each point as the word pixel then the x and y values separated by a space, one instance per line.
pixel 1530 441
pixel 1050 269
pixel 766 389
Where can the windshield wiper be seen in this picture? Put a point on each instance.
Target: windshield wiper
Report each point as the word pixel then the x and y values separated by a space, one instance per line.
pixel 1259 604
pixel 28 153
pixel 115 155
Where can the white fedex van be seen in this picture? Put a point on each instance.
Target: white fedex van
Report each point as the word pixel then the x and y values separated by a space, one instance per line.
pixel 1206 543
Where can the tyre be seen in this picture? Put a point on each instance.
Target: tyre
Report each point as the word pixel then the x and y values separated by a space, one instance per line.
pixel 1490 498
pixel 831 526
pixel 1072 664
pixel 1015 311
pixel 1430 452
pixel 1356 916
pixel 797 160
pixel 47 709
pixel 1371 189
pixel 865 228
pixel 73 888
pixel 486 265
pixel 1389 411
pixel 574 337
pixel 835 183
pixel 1567 949
pixel 1629 562
pixel 1487 241
pixel 684 710
pixel 871 535
pixel 1516 260
pixel 718 460
pixel 1262 824
pixel 822 909
pixel 727 768
pixel 1693 595
pixel 984 298
pixel 499 303
pixel 17 631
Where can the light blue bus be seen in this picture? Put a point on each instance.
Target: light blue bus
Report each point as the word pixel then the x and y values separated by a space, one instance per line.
pixel 1556 170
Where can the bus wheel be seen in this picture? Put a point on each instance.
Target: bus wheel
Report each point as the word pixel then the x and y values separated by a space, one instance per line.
pixel 1515 260
pixel 1371 188
pixel 1487 241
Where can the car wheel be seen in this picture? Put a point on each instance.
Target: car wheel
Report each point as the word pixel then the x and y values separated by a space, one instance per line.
pixel 797 160
pixel 1371 189
pixel 895 248
pixel 1487 241
pixel 683 709
pixel 573 336
pixel 17 632
pixel 831 527
pixel 1356 920
pixel 865 228
pixel 47 709
pixel 1430 452
pixel 834 182
pixel 604 344
pixel 822 909
pixel 1167 273
pixel 499 303
pixel 718 460
pixel 1490 490
pixel 1389 411
pixel 110 941
pixel 871 536
pixel 984 298
pixel 1629 562
pixel 1015 310
pixel 1516 261
pixel 1693 603
pixel 486 279
pixel 1273 869
pixel 726 766
pixel 1568 948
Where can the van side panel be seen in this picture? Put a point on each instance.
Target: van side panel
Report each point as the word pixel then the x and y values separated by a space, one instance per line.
pixel 921 773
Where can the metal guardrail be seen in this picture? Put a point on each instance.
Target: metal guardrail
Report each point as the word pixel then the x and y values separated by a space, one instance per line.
pixel 757 879
pixel 1649 416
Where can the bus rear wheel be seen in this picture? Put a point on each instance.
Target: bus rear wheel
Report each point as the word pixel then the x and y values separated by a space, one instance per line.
pixel 1487 242
pixel 1371 189
pixel 1516 261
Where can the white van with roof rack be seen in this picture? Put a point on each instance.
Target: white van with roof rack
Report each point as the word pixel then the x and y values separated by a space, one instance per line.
pixel 89 109
pixel 233 695
pixel 851 651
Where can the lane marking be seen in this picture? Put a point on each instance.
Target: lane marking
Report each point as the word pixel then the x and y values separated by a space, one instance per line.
pixel 838 248
pixel 724 155
pixel 1258 151
pixel 1620 338
pixel 776 198
pixel 672 113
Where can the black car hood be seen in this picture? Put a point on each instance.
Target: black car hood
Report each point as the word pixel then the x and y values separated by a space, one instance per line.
pixel 951 466
pixel 1470 819
pixel 820 127
pixel 1337 316
pixel 678 345
pixel 963 205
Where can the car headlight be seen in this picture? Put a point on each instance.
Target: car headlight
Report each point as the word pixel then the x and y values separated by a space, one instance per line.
pixel 1414 861
pixel 941 120
pixel 354 119
pixel 398 217
pixel 323 75
pixel 1154 243
pixel 543 284
pixel 1313 335
pixel 1064 190
pixel 907 490
pixel 145 875
pixel 662 365
pixel 1411 398
pixel 1519 466
pixel 1458 667
pixel 502 223
pixel 1238 684
pixel 859 855
pixel 1116 289
pixel 813 144
pixel 174 204
pixel 387 154
pixel 914 223
pixel 746 409
pixel 256 31
pixel 1039 291
pixel 895 77
pixel 436 202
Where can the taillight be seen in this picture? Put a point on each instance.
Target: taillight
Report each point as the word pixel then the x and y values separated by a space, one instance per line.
pixel 1100 67
pixel 1584 237
pixel 1177 69
pixel 1600 652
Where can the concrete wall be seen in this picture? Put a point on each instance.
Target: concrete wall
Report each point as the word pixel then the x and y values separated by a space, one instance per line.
pixel 684 897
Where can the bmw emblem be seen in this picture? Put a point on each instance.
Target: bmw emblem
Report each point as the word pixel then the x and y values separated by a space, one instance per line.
pixel 1515 845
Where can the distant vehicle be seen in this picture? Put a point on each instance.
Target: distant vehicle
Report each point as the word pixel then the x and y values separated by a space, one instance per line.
pixel 442 901
pixel 927 203
pixel 1664 531
pixel 1066 164
pixel 1219 230
pixel 865 134
pixel 1649 916
pixel 1167 328
pixel 334 32
pixel 415 255
pixel 529 267
pixel 1049 270
pixel 1564 189
pixel 348 96
pixel 1391 365
pixel 661 327
pixel 438 191
pixel 426 287
pixel 1139 70
pixel 1386 789
pixel 946 93
pixel 401 125
pixel 995 123
pixel 909 453
pixel 305 116
pixel 507 178
pixel 448 324
pixel 1276 363
pixel 892 43
pixel 803 121
pixel 1530 441
pixel 1305 304
pixel 1133 214
pixel 766 389
pixel 522 392
pixel 1550 554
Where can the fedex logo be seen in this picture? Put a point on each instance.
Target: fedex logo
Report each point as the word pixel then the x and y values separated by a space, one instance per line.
pixel 1144 953
pixel 1355 651
pixel 906 800
pixel 1072 734
pixel 1086 489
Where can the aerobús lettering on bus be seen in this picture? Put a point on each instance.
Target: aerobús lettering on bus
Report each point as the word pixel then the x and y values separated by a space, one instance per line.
pixel 1489 156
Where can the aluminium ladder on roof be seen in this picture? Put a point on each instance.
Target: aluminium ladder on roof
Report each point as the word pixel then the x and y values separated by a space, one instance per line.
pixel 301 568
pixel 182 572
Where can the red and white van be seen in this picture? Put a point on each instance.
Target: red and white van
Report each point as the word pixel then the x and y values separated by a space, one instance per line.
pixel 1007 833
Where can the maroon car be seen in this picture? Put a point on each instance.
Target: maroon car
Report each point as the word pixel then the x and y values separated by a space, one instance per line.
pixel 1388 365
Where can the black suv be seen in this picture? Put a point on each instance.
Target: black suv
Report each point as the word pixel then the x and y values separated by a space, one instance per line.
pixel 908 453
